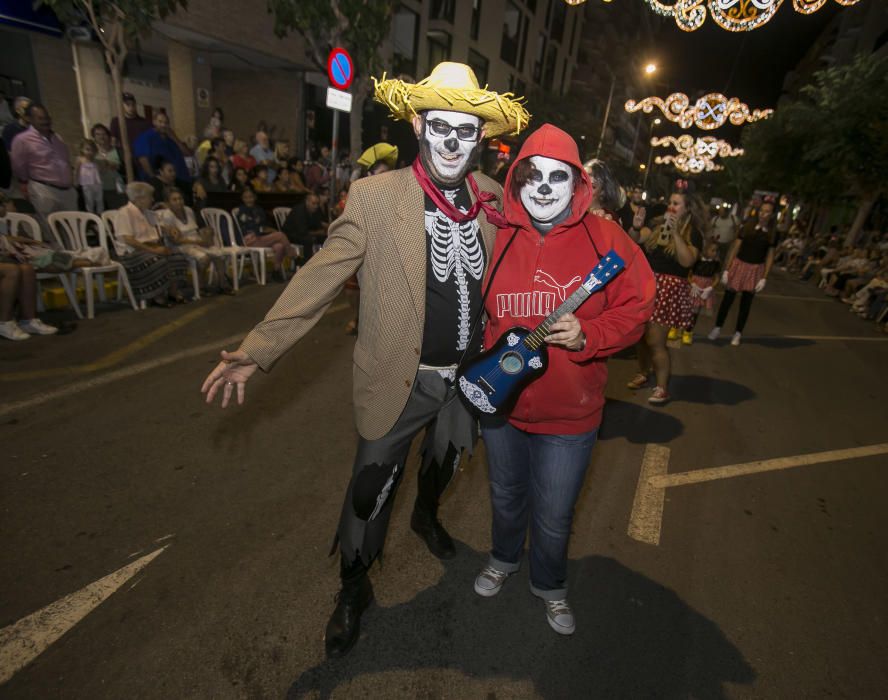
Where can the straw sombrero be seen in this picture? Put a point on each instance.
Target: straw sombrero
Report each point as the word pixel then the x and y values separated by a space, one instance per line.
pixel 454 87
pixel 381 151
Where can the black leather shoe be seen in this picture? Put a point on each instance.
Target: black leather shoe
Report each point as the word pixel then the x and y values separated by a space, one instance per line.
pixel 344 626
pixel 433 534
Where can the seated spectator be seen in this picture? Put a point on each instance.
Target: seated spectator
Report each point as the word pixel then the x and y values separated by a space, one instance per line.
pixel 180 228
pixel 858 272
pixel 228 138
pixel 110 162
pixel 283 183
pixel 164 178
pixel 315 175
pixel 155 272
pixel 281 155
pixel 242 157
pixel 304 225
pixel 849 266
pixel 259 179
pixel 264 156
pixel 825 257
pixel 253 225
pixel 215 125
pixel 240 180
pixel 211 176
pixel 297 183
pixel 18 285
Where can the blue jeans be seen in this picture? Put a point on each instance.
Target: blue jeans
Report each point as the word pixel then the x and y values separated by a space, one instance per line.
pixel 534 479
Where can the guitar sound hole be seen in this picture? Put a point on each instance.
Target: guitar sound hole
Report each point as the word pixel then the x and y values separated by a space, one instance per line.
pixel 512 363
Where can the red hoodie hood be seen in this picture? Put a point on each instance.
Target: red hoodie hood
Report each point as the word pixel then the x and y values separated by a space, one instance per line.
pixel 551 142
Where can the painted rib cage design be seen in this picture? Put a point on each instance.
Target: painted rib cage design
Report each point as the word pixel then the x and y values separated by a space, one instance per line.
pixel 455 252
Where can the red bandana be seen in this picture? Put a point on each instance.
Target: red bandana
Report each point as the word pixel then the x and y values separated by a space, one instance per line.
pixel 482 199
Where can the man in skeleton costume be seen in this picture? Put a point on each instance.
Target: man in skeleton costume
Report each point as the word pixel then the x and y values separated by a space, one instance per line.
pixel 419 239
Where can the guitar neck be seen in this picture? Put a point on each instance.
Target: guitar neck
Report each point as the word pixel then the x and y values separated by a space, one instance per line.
pixel 571 304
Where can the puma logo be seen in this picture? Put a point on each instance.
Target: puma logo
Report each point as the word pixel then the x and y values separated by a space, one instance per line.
pixel 547 279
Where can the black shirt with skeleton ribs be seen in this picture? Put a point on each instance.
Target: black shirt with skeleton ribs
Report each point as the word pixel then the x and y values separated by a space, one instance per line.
pixel 454 273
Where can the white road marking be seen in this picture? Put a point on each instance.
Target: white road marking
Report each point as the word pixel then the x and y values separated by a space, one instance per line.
pixel 130 371
pixel 25 640
pixel 727 472
pixel 645 521
pixel 647 508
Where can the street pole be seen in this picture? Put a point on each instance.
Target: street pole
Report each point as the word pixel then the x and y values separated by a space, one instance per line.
pixel 607 110
pixel 647 169
pixel 333 149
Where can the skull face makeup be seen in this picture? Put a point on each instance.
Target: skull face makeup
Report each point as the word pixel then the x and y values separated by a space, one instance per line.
pixel 549 190
pixel 447 142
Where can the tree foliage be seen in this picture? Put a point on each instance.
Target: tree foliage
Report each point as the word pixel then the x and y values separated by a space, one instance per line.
pixel 118 25
pixel 829 143
pixel 359 26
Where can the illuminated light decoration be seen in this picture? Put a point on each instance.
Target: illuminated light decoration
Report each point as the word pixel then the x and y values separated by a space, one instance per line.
pixel 709 112
pixel 733 15
pixel 689 164
pixel 702 146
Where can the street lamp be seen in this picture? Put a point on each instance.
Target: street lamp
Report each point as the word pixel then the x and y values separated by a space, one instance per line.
pixel 649 69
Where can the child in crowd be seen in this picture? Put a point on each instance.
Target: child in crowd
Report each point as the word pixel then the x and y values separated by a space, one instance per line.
pixel 260 179
pixel 704 277
pixel 88 177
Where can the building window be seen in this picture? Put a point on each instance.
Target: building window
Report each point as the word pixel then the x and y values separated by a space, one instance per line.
pixel 405 36
pixel 439 48
pixel 476 18
pixel 442 9
pixel 557 20
pixel 540 57
pixel 551 59
pixel 479 64
pixel 514 33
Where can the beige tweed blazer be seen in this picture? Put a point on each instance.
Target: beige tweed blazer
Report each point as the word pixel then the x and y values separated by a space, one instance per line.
pixel 381 236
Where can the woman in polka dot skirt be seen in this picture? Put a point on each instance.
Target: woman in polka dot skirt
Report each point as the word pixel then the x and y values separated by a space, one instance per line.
pixel 672 247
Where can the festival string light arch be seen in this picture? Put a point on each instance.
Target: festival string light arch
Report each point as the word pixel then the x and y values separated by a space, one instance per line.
pixel 710 112
pixel 732 15
pixel 702 146
pixel 689 164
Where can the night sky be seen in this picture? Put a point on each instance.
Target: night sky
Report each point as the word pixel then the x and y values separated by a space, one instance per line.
pixel 747 65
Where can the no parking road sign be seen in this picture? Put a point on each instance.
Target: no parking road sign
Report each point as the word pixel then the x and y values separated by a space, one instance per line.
pixel 340 68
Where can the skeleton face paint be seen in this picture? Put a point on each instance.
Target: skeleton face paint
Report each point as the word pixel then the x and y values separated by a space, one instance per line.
pixel 447 143
pixel 549 190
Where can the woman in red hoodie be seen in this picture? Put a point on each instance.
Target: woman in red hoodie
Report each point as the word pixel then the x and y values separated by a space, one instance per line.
pixel 538 456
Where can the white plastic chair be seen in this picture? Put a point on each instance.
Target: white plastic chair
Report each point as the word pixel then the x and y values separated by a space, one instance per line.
pixel 214 218
pixel 257 254
pixel 69 229
pixel 15 220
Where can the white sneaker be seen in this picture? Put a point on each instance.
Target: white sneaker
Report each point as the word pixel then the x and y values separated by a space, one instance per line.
pixel 489 582
pixel 35 326
pixel 11 331
pixel 714 333
pixel 735 339
pixel 560 616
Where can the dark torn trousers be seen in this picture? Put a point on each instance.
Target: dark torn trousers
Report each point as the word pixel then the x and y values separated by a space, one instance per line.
pixel 379 465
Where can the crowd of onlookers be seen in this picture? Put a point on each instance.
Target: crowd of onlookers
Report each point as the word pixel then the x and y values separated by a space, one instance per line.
pixel 157 231
pixel 856 274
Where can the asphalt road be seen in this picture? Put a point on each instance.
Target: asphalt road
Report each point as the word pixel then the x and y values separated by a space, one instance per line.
pixel 765 585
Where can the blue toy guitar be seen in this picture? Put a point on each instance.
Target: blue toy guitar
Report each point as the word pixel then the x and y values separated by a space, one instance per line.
pixel 492 382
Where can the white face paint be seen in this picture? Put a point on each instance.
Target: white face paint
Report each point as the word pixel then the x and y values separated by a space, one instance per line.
pixel 447 155
pixel 549 190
